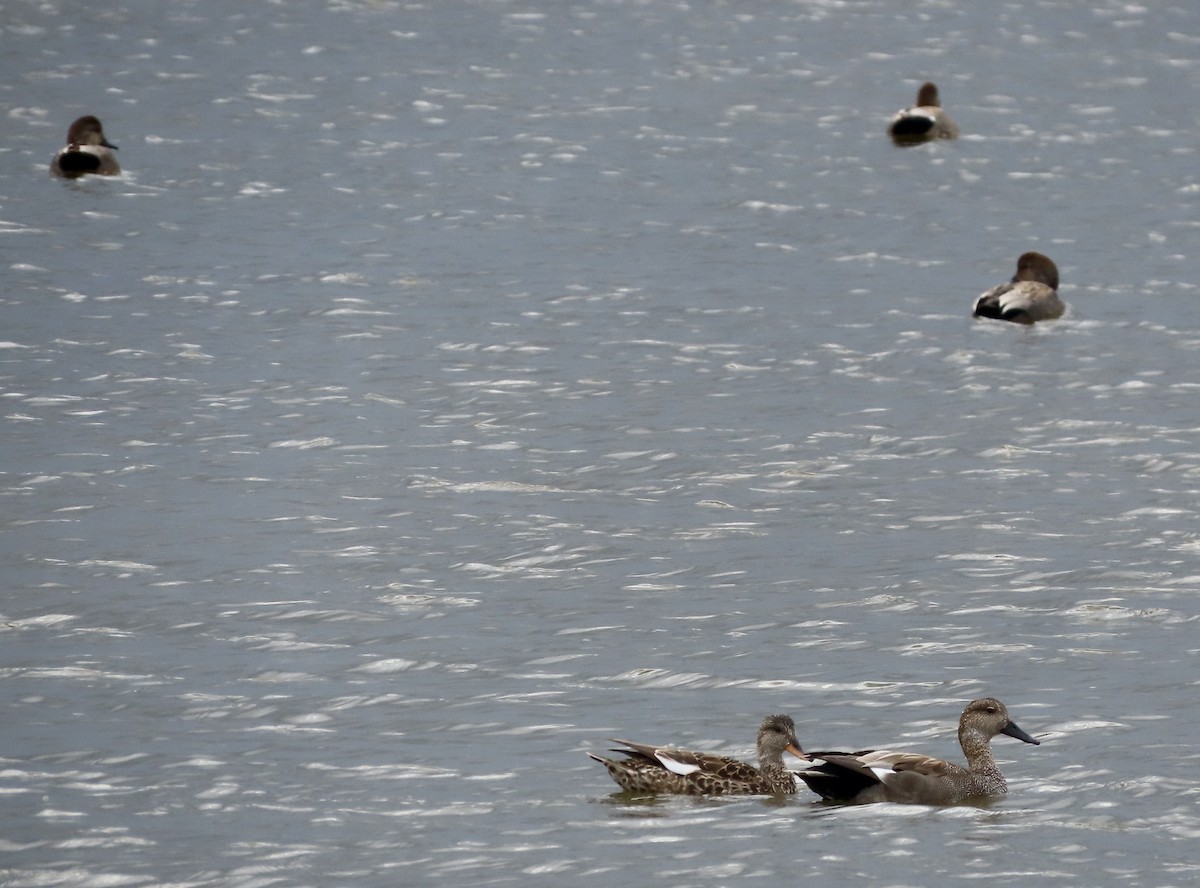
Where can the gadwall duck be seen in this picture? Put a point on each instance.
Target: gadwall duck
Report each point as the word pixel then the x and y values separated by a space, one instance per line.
pixel 906 777
pixel 924 121
pixel 86 151
pixel 664 769
pixel 1030 296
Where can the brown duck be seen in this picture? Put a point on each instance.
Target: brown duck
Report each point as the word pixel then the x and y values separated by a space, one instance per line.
pixel 924 121
pixel 87 151
pixel 886 776
pixel 664 769
pixel 1031 295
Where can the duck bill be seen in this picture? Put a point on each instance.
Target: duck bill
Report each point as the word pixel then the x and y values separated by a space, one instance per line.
pixel 1012 730
pixel 108 144
pixel 800 753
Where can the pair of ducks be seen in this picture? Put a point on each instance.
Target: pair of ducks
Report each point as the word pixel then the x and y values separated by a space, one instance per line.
pixel 1032 294
pixel 865 776
pixel 88 151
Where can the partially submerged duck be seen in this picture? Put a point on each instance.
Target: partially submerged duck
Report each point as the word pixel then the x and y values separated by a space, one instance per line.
pixel 664 769
pixel 924 121
pixel 911 778
pixel 86 151
pixel 1031 295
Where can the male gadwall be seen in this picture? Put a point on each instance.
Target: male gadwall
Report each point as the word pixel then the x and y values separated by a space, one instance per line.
pixel 924 121
pixel 1030 296
pixel 654 769
pixel 883 776
pixel 86 151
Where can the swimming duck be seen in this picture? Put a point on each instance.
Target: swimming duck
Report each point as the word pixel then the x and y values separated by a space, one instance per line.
pixel 664 769
pixel 924 121
pixel 911 778
pixel 1030 296
pixel 86 151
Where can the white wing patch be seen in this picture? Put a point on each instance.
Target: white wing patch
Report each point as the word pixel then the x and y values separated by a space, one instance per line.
pixel 881 772
pixel 1016 298
pixel 676 767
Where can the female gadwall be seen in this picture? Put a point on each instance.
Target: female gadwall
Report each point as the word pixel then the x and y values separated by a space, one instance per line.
pixel 86 151
pixel 924 121
pixel 653 769
pixel 1030 296
pixel 883 776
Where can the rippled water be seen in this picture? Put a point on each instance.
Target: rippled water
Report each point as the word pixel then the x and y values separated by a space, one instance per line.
pixel 446 388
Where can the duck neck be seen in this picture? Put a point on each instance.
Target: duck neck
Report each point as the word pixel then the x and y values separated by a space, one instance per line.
pixel 770 765
pixel 977 747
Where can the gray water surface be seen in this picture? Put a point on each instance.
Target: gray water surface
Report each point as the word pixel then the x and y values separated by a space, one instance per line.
pixel 445 388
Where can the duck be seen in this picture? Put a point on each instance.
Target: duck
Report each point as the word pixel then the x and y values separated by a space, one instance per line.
pixel 1031 295
pixel 86 151
pixel 665 769
pixel 912 778
pixel 924 121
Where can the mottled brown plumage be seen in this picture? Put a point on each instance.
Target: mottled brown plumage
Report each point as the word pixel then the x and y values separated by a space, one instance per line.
pixel 664 769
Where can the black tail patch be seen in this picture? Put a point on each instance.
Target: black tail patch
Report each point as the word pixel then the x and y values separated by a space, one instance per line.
pixel 76 163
